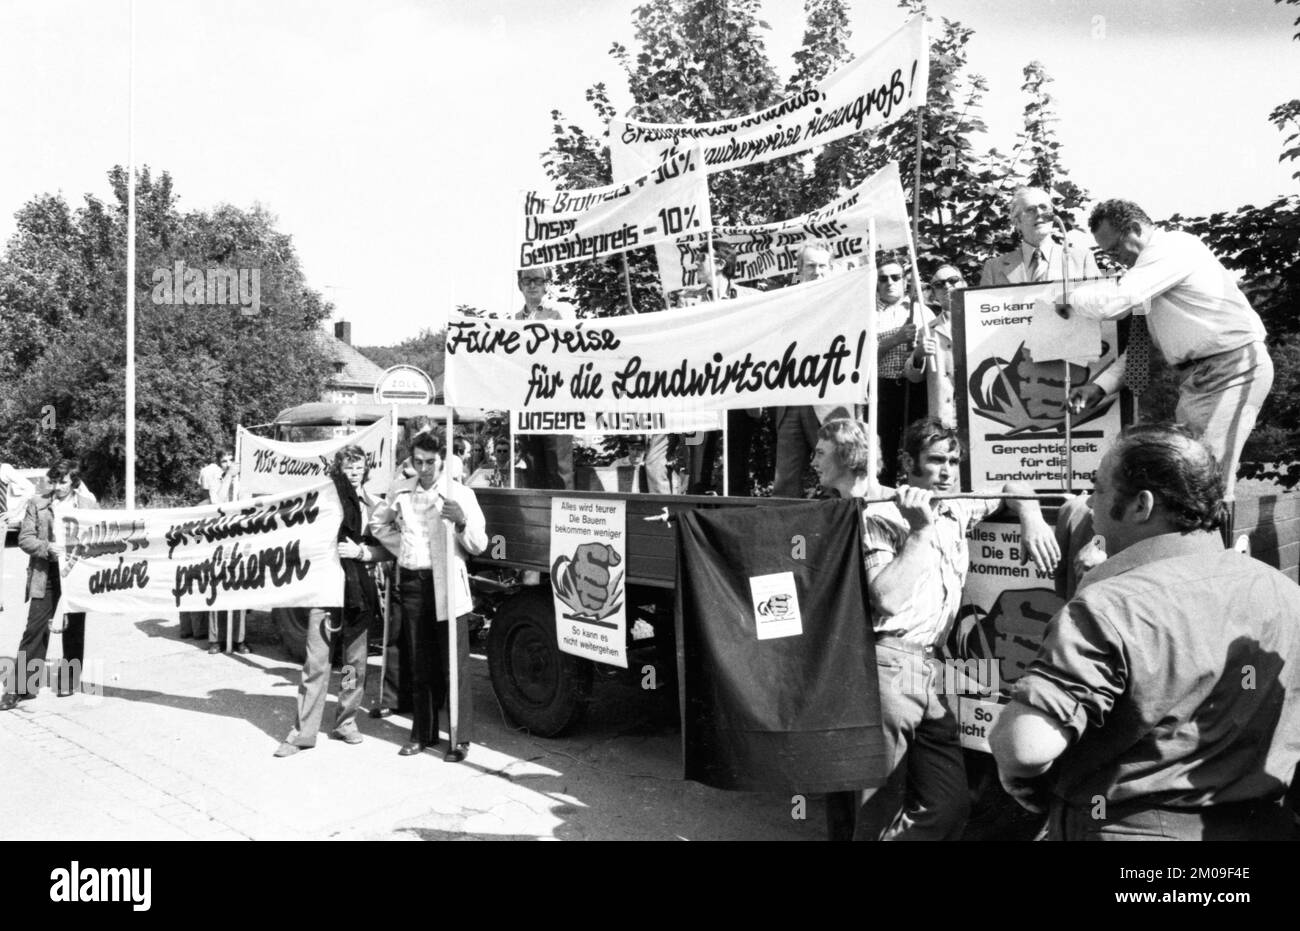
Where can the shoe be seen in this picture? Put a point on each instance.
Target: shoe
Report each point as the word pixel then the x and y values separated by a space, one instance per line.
pixel 288 749
pixel 187 636
pixel 11 700
pixel 214 648
pixel 242 648
pixel 457 755
pixel 348 737
pixel 382 712
pixel 411 749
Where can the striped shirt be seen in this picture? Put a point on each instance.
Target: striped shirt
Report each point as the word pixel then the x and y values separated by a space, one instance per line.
pixel 415 512
pixel 890 319
pixel 930 611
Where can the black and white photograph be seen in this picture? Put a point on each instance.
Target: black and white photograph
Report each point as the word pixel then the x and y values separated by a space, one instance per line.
pixel 650 420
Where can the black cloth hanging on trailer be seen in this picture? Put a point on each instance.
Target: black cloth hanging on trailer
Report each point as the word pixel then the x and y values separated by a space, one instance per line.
pixel 796 710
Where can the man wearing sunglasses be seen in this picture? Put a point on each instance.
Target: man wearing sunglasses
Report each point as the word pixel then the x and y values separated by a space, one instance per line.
pixel 935 347
pixel 1038 257
pixel 899 399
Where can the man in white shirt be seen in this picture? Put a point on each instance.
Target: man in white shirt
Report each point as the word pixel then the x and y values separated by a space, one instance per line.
pixel 1039 255
pixel 935 347
pixel 1195 315
pixel 411 523
pixel 900 401
pixel 552 456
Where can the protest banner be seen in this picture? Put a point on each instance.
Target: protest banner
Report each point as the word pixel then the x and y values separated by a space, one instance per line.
pixel 1012 408
pixel 278 551
pixel 805 344
pixel 613 421
pixel 869 91
pixel 588 561
pixel 1003 619
pixel 569 226
pixel 773 249
pixel 268 467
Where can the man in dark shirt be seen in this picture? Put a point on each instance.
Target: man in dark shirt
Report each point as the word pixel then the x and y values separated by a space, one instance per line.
pixel 1165 700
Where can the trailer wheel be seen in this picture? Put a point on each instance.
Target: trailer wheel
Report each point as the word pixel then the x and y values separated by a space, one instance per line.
pixel 540 687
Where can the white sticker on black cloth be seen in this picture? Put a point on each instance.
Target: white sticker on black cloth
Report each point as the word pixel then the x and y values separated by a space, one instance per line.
pixel 776 606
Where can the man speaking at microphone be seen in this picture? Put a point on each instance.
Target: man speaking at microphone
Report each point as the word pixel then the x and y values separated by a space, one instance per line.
pixel 1197 317
pixel 1039 257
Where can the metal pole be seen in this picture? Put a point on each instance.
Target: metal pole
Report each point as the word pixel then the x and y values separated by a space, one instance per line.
pixel 916 178
pixel 453 641
pixel 130 266
pixel 627 284
pixel 873 449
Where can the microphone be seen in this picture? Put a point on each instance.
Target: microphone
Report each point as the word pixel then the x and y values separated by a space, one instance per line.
pixel 1063 307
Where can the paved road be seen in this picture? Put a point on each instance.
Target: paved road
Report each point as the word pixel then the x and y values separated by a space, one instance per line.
pixel 179 743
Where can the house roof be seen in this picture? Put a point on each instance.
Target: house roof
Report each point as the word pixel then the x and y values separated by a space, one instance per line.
pixel 351 368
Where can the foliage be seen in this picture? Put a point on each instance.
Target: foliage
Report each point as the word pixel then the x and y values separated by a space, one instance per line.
pixel 200 369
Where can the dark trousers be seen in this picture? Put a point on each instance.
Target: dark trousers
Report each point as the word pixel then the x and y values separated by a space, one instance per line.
pixel 395 690
pixel 29 666
pixel 429 653
pixel 740 434
pixel 323 626
pixel 901 403
pixel 550 461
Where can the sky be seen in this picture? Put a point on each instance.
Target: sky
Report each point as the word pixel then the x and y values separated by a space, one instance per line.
pixel 391 139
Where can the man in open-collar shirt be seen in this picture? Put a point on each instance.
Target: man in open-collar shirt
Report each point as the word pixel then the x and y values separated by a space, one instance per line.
pixel 916 558
pixel 552 456
pixel 411 523
pixel 1165 700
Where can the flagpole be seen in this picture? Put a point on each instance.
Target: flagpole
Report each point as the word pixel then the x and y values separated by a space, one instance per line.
pixel 873 449
pixel 453 641
pixel 130 265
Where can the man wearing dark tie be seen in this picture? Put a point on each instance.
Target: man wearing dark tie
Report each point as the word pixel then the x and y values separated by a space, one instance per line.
pixel 1038 257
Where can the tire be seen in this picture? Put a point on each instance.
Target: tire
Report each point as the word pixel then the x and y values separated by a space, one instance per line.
pixel 292 624
pixel 540 687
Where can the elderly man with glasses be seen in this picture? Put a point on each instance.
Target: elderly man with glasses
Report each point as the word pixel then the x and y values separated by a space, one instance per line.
pixel 1038 257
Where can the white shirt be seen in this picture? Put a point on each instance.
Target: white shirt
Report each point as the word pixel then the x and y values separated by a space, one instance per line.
pixel 1195 307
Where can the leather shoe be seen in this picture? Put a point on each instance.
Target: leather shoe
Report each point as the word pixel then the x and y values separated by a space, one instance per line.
pixel 411 749
pixel 11 700
pixel 458 754
pixel 288 749
pixel 242 648
pixel 384 712
pixel 348 737
pixel 214 648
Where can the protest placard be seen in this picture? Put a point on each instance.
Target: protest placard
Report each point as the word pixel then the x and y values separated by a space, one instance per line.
pixel 272 466
pixel 569 226
pixel 800 345
pixel 588 561
pixel 773 249
pixel 1012 408
pixel 869 91
pixel 280 551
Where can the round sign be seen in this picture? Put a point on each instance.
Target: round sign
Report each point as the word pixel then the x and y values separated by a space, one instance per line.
pixel 404 384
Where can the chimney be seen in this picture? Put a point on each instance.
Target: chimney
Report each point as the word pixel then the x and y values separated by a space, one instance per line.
pixel 343 331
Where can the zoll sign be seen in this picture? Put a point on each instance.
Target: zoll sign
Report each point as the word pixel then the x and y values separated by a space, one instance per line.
pixel 404 384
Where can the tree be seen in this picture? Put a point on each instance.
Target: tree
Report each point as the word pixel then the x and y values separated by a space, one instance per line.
pixel 200 368
pixel 1044 151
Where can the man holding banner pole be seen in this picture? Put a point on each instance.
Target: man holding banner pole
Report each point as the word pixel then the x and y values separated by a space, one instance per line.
pixel 895 318
pixel 432 583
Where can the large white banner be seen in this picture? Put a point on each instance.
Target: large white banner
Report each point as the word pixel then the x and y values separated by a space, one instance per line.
pixel 773 249
pixel 274 552
pixel 869 91
pixel 1011 407
pixel 588 564
pixel 612 422
pixel 799 345
pixel 570 226
pixel 272 466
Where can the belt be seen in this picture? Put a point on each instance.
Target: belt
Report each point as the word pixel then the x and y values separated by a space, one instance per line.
pixel 1184 366
pixel 906 646
pixel 418 573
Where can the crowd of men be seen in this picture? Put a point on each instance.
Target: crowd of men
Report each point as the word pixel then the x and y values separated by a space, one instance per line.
pixel 1164 701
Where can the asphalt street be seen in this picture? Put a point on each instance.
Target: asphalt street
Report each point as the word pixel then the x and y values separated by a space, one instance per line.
pixel 177 744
